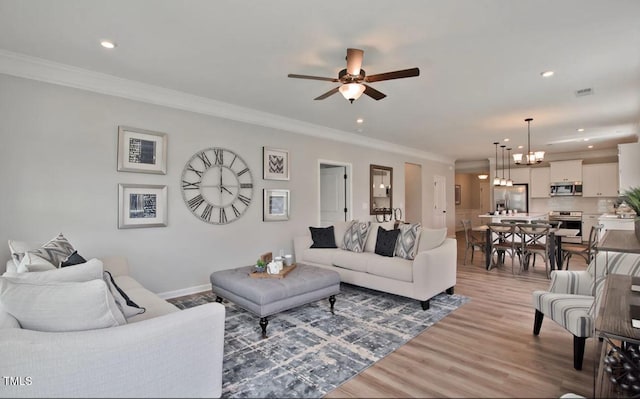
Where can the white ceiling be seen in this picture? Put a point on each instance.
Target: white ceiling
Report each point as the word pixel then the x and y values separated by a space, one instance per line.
pixel 480 62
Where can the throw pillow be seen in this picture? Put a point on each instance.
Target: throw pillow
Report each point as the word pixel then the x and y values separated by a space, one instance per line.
pixel 60 306
pixel 73 259
pixel 356 236
pixel 407 243
pixel 323 237
pixel 19 248
pixel 431 238
pixel 370 246
pixel 90 270
pixel 126 305
pixel 55 251
pixel 386 241
pixel 33 263
pixel 339 228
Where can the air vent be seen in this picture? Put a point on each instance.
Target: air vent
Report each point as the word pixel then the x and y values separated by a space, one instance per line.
pixel 584 92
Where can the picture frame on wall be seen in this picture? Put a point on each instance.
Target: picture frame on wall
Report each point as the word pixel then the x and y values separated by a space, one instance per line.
pixel 458 194
pixel 275 205
pixel 141 151
pixel 275 164
pixel 142 205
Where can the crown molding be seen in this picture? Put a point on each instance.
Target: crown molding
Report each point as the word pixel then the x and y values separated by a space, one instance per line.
pixel 24 66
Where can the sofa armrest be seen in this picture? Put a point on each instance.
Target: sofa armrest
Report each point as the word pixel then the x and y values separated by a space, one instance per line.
pixel 434 270
pixel 300 244
pixel 116 265
pixel 175 355
pixel 7 320
pixel 571 282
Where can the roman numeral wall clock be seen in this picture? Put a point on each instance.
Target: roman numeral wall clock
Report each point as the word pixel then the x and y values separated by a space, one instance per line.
pixel 217 185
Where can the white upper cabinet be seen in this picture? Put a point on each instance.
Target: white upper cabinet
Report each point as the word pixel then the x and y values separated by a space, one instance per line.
pixel 600 180
pixel 540 183
pixel 629 165
pixel 518 175
pixel 565 171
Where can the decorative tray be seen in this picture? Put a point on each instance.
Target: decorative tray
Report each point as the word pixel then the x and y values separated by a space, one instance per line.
pixel 283 273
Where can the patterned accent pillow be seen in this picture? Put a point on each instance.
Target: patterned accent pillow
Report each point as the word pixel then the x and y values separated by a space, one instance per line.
pixel 55 251
pixel 355 237
pixel 408 240
pixel 386 241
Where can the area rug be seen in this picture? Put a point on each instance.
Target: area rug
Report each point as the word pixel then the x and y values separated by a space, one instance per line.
pixel 309 351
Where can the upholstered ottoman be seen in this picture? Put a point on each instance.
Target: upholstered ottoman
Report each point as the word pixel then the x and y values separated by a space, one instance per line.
pixel 268 296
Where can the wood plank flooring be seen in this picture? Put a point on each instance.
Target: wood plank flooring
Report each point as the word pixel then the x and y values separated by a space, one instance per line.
pixel 485 348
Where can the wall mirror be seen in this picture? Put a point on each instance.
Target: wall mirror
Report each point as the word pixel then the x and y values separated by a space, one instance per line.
pixel 381 189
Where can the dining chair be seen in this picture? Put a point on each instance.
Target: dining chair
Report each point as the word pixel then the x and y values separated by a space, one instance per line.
pixel 503 243
pixel 535 241
pixel 472 240
pixel 586 251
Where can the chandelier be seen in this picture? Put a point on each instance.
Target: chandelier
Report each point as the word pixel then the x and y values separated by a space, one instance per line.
pixel 531 157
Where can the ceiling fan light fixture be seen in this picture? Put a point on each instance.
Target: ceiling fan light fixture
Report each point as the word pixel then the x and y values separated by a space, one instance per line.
pixel 352 91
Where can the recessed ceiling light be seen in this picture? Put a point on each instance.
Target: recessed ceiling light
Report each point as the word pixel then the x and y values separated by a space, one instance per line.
pixel 547 74
pixel 585 139
pixel 359 120
pixel 580 129
pixel 520 147
pixel 108 44
pixel 507 139
pixel 589 146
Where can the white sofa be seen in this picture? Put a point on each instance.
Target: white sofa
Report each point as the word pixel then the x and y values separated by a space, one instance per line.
pixel 163 352
pixel 432 271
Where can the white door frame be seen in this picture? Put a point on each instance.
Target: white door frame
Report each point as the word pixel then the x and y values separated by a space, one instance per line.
pixel 348 190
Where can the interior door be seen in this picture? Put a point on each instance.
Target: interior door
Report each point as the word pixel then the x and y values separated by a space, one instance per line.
pixel 333 199
pixel 439 201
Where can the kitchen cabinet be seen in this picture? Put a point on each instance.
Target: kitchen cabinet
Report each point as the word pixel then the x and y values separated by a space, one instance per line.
pixel 613 222
pixel 518 175
pixel 565 171
pixel 540 182
pixel 600 180
pixel 588 221
pixel 629 165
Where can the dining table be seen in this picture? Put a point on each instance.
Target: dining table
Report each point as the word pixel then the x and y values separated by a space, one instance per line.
pixel 555 246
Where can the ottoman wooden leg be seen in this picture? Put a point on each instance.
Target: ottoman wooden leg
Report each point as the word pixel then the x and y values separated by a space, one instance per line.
pixel 332 301
pixel 263 324
pixel 218 299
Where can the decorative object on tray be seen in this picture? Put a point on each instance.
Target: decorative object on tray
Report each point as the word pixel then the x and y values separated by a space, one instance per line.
pixel 275 205
pixel 282 273
pixel 261 266
pixel 275 164
pixel 142 205
pixel 141 151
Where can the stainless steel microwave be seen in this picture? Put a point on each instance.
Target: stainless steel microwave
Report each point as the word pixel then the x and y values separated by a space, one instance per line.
pixel 566 189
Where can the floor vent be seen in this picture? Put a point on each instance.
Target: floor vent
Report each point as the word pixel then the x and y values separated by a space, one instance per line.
pixel 584 92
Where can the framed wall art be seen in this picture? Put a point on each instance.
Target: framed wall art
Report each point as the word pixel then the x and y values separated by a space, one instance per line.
pixel 275 164
pixel 141 151
pixel 142 205
pixel 275 205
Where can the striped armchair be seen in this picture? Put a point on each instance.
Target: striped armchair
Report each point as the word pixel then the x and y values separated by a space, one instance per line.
pixel 570 298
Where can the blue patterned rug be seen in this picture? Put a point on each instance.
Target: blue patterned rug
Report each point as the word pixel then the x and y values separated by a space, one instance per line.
pixel 309 351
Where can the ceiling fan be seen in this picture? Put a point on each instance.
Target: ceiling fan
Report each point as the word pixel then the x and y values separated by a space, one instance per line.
pixel 354 78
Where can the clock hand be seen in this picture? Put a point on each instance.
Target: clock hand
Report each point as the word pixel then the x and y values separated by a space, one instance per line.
pixel 225 189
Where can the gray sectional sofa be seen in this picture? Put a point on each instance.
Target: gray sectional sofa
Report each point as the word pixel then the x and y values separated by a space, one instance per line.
pixel 431 272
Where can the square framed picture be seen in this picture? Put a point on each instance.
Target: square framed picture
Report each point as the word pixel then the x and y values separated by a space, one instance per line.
pixel 142 205
pixel 275 164
pixel 275 205
pixel 141 151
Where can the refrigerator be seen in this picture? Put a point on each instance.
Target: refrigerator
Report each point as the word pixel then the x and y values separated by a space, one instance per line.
pixel 515 197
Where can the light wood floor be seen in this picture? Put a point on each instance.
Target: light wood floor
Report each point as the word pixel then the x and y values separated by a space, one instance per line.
pixel 485 348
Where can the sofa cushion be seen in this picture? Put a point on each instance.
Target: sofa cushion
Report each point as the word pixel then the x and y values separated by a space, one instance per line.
pixel 407 244
pixel 31 262
pixel 87 271
pixel 356 236
pixel 153 304
pixel 339 228
pixel 19 248
pixel 351 260
pixel 323 256
pixel 55 250
pixel 370 246
pixel 394 268
pixel 386 241
pixel 431 238
pixel 126 305
pixel 60 306
pixel 323 237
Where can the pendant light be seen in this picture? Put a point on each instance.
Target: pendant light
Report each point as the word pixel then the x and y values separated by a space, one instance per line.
pixel 531 157
pixel 503 181
pixel 496 180
pixel 509 181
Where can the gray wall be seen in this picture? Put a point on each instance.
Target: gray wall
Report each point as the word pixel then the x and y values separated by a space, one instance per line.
pixel 58 149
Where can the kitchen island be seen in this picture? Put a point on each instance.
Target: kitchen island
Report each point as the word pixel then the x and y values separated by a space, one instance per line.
pixel 518 216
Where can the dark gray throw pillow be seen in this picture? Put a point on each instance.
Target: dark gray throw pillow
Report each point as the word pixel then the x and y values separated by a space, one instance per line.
pixel 386 241
pixel 73 259
pixel 323 237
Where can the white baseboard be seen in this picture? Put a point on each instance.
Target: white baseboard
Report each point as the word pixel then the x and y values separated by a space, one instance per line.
pixel 185 291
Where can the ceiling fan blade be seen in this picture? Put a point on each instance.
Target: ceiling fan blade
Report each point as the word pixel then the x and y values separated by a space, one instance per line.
pixel 327 94
pixel 373 93
pixel 405 73
pixel 293 75
pixel 354 61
